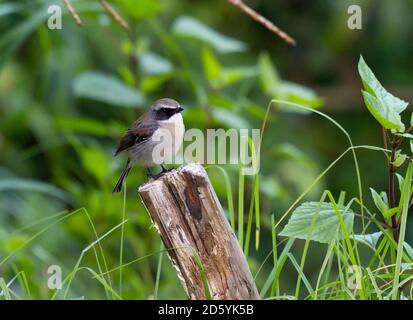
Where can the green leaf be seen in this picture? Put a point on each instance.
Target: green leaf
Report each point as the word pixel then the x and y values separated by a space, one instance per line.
pixel 382 204
pixel 326 227
pixel 9 7
pixel 84 125
pixel 274 87
pixel 212 67
pixel 400 179
pixel 385 107
pixel 230 119
pixel 236 74
pixel 374 87
pixel 399 158
pixel 387 117
pixel 379 202
pixel 390 213
pixel 269 77
pixel 154 64
pixel 95 162
pixel 409 250
pixel 219 77
pixel 104 88
pixel 17 184
pixel 190 27
pixel 154 82
pixel 369 240
pixel 297 93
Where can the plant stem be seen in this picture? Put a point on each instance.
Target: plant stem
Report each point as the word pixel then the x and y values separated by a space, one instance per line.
pixel 392 171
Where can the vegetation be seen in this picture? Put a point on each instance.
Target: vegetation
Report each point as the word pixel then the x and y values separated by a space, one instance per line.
pixel 66 96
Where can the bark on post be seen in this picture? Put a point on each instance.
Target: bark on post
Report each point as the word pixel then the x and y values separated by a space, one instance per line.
pixel 187 214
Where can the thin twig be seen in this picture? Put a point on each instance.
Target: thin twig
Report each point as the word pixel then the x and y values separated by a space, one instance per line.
pixel 392 172
pixel 371 219
pixel 114 15
pixel 409 159
pixel 73 12
pixel 385 139
pixel 265 22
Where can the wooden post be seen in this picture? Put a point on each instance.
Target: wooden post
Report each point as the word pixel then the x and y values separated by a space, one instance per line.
pixel 187 214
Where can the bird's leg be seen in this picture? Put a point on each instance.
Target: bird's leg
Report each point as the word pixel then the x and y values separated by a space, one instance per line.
pixel 163 169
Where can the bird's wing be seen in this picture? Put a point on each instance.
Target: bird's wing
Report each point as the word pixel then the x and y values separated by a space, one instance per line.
pixel 139 132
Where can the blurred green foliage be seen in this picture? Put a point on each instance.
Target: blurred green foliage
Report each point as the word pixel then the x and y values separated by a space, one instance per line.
pixel 66 96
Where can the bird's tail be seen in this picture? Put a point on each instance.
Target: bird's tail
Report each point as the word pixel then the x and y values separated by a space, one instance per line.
pixel 125 172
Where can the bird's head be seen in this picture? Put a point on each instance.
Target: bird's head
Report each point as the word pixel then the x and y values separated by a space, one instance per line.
pixel 163 109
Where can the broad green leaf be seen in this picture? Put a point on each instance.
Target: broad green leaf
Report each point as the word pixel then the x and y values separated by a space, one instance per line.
pixel 272 188
pixel 219 77
pixel 212 67
pixel 297 93
pixel 230 119
pixel 374 87
pixel 154 82
pixel 276 88
pixel 369 240
pixel 326 227
pixel 17 184
pixel 236 74
pixel 104 88
pixel 154 64
pixel 387 117
pixel 84 125
pixel 190 27
pixel 269 77
pixel 95 162
pixel 9 7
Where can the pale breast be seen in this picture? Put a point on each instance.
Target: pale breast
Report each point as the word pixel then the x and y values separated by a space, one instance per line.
pixel 175 125
pixel 152 151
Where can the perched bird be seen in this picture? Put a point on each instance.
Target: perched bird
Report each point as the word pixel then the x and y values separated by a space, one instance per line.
pixel 160 130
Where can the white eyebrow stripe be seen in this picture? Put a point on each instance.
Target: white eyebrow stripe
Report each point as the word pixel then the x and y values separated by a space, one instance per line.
pixel 168 106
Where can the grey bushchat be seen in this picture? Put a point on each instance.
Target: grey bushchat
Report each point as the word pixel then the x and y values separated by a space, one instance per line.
pixel 153 139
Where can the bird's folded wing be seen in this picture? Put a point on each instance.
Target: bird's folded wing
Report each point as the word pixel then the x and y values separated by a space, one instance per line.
pixel 138 133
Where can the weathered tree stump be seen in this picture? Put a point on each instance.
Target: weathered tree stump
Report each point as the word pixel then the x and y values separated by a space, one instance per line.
pixel 188 216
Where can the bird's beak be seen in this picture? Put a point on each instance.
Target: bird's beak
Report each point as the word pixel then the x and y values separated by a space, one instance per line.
pixel 180 109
